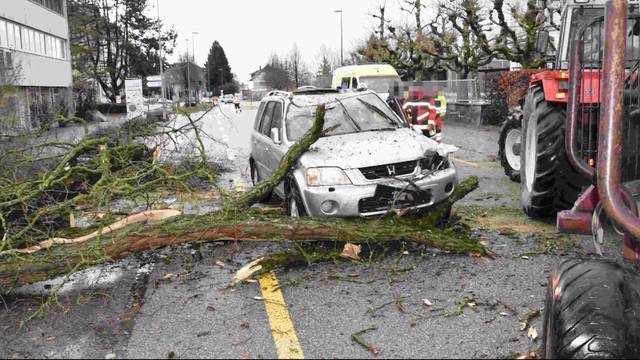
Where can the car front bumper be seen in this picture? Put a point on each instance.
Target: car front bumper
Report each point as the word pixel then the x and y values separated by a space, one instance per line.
pixel 348 200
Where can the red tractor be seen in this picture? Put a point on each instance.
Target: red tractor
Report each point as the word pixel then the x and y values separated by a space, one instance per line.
pixel 583 137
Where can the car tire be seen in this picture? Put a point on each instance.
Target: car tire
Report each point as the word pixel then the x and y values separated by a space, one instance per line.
pixel 294 205
pixel 510 138
pixel 256 179
pixel 592 311
pixel 548 181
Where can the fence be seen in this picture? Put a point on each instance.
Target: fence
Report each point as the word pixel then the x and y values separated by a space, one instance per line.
pixel 466 90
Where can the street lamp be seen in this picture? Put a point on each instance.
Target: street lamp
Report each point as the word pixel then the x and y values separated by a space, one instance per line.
pixel 188 100
pixel 162 91
pixel 341 37
pixel 221 78
pixel 193 52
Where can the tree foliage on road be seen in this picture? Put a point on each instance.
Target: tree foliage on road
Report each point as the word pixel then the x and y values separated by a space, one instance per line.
pixel 112 40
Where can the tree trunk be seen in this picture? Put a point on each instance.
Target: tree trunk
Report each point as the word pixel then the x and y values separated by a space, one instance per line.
pixel 250 226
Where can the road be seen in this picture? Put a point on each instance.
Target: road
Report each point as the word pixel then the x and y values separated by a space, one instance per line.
pixel 176 303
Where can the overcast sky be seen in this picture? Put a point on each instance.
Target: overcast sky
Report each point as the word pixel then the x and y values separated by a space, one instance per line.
pixel 250 30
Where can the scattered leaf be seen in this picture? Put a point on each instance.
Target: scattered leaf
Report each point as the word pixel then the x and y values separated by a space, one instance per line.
pixel 211 308
pixel 244 324
pixel 220 263
pixel 258 298
pixel 72 220
pixel 523 326
pixel 427 302
pixel 49 338
pixel 351 251
pixel 502 313
pixel 529 355
pixel 405 252
pixel 532 333
pixel 251 281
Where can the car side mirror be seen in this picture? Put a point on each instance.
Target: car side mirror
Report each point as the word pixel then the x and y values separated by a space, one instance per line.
pixel 542 41
pixel 275 135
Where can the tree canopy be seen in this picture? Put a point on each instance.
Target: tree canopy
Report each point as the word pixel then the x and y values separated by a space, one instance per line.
pixel 219 74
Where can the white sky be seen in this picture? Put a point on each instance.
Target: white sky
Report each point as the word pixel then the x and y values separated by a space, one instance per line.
pixel 250 30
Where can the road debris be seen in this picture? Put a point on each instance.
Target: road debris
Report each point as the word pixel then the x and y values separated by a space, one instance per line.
pixel 426 302
pixel 357 338
pixel 247 271
pixel 524 323
pixel 532 333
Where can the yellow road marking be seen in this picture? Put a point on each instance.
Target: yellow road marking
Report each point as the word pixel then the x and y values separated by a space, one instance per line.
pixel 284 335
pixel 469 163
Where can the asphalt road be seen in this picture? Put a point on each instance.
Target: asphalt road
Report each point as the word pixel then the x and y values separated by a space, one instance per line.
pixel 132 308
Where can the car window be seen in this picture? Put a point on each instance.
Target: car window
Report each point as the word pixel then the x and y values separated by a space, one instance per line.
pixel 256 125
pixel 276 121
pixel 361 112
pixel 265 126
pixel 354 83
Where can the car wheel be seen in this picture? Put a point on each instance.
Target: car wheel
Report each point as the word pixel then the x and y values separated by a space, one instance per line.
pixel 592 311
pixel 256 179
pixel 293 201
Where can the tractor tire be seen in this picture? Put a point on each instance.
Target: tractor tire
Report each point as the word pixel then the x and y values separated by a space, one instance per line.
pixel 509 145
pixel 548 181
pixel 592 311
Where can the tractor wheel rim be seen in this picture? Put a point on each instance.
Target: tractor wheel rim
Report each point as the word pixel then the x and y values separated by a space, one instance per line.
pixel 293 206
pixel 531 153
pixel 513 140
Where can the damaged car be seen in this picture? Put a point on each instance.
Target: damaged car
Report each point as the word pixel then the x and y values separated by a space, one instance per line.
pixel 367 163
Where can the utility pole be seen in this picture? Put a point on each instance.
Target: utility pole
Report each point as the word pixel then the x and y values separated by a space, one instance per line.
pixel 188 77
pixel 162 92
pixel 341 39
pixel 193 44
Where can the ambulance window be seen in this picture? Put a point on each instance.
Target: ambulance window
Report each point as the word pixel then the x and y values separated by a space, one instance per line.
pixel 345 83
pixel 354 83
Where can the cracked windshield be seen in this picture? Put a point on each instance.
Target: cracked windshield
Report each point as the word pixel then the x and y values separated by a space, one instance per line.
pixel 319 179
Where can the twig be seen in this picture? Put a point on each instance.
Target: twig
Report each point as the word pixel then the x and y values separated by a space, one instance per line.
pixel 360 341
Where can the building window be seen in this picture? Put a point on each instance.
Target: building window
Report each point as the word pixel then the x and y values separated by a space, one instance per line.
pixel 18 37
pixel 53 5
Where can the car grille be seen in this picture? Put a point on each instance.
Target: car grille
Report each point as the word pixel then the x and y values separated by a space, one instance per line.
pixel 389 170
pixel 385 201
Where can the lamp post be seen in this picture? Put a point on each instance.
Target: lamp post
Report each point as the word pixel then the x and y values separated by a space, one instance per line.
pixel 341 37
pixel 188 100
pixel 162 91
pixel 193 53
pixel 221 78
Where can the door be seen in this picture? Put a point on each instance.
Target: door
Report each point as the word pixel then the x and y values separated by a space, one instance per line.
pixel 276 150
pixel 261 142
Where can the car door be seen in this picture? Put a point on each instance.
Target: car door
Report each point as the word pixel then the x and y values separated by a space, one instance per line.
pixel 276 149
pixel 262 142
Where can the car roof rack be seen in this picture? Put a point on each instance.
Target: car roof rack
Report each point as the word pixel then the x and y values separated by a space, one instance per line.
pixel 315 90
pixel 279 93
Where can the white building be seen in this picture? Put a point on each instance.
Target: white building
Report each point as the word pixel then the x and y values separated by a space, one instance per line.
pixel 35 57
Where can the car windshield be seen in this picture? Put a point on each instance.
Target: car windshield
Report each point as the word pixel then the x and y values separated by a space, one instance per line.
pixel 380 84
pixel 346 115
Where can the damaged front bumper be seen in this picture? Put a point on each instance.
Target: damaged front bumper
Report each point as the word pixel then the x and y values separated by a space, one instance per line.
pixel 380 197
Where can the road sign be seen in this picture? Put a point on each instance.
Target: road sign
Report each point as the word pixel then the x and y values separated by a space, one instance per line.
pixel 135 100
pixel 154 81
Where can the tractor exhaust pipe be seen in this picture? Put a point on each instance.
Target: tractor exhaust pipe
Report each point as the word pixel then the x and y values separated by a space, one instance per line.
pixel 612 195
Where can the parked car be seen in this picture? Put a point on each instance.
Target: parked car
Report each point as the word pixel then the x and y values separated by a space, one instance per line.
pixel 227 99
pixel 368 163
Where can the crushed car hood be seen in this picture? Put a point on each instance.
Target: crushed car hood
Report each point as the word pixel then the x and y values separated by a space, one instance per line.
pixel 364 149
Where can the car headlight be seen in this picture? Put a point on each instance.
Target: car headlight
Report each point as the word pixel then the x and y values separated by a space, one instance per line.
pixel 326 176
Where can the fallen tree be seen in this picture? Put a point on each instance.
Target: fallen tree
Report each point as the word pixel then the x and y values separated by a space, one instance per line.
pixel 235 223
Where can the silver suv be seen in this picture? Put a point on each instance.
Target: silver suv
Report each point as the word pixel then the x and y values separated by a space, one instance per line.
pixel 369 163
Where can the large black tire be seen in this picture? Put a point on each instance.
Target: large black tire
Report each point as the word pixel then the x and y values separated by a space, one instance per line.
pixel 294 205
pixel 510 128
pixel 552 184
pixel 592 311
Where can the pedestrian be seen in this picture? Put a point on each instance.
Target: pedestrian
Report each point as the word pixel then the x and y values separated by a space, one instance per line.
pixel 236 103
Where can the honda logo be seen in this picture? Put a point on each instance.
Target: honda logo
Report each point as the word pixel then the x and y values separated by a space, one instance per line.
pixel 391 169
